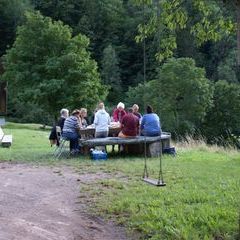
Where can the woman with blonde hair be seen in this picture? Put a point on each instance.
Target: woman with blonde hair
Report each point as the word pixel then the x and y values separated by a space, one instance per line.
pixel 82 118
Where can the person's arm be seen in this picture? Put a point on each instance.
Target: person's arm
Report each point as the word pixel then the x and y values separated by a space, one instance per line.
pixel 78 125
pixel 115 115
pixel 95 122
pixel 109 120
pixel 143 122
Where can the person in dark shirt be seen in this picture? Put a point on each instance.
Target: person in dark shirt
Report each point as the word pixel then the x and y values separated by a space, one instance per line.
pixel 53 135
pixel 135 108
pixel 129 125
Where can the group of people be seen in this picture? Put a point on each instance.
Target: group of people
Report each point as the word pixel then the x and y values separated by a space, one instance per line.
pixel 132 123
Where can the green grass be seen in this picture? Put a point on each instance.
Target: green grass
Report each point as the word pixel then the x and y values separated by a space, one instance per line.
pixel 201 199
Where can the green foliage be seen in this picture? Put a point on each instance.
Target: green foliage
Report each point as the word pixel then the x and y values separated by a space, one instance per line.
pixel 181 95
pixel 11 15
pixel 227 69
pixel 224 117
pixel 29 113
pixel 205 18
pixel 50 67
pixel 111 73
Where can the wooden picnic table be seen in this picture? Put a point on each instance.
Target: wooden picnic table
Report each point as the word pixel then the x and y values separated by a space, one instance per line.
pixel 154 144
pixel 89 132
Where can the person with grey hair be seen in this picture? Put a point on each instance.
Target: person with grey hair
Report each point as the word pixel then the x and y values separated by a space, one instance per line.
pixel 53 135
pixel 119 112
pixel 64 114
pixel 101 121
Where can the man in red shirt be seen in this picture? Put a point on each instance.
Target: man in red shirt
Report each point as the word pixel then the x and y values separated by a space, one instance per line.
pixel 129 125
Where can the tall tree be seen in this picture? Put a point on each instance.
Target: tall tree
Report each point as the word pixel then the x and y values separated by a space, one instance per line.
pixel 49 67
pixel 167 17
pixel 11 15
pixel 111 73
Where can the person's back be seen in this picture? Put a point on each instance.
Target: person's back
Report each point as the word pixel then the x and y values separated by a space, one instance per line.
pixel 71 130
pixel 60 122
pixel 71 125
pixel 150 124
pixel 54 138
pixel 130 124
pixel 101 120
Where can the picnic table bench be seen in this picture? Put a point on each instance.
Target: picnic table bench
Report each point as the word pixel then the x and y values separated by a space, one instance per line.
pixel 155 145
pixel 5 140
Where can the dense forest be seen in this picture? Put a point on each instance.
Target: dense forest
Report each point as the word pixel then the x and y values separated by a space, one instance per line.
pixel 74 53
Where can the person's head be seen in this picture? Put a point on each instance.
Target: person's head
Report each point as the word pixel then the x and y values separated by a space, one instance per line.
pixel 76 113
pixel 149 109
pixel 64 113
pixel 120 106
pixel 135 108
pixel 130 110
pixel 101 106
pixel 83 112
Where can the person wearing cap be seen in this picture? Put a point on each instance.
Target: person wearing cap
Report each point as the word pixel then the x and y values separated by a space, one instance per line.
pixel 129 125
pixel 101 121
pixel 71 130
pixel 135 108
pixel 150 124
pixel 53 135
pixel 119 112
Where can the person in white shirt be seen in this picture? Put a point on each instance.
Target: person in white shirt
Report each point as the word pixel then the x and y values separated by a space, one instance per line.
pixel 101 121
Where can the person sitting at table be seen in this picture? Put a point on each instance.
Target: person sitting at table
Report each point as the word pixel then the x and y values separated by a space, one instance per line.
pixel 71 130
pixel 150 124
pixel 135 108
pixel 101 121
pixel 129 125
pixel 53 135
pixel 119 112
pixel 83 117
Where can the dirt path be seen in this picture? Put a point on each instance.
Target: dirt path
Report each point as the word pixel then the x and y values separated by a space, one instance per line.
pixel 40 203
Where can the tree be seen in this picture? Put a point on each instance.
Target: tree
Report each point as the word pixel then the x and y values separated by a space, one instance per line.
pixel 205 19
pixel 11 15
pixel 111 73
pixel 181 95
pixel 224 117
pixel 49 67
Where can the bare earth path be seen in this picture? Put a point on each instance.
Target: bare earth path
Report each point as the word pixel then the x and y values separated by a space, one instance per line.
pixel 40 203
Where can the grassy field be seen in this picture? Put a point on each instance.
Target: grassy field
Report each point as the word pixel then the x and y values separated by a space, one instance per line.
pixel 201 199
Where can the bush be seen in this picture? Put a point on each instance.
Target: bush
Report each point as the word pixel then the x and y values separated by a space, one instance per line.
pixel 222 122
pixel 181 95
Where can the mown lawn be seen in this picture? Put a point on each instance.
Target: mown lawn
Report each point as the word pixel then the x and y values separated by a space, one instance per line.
pixel 201 199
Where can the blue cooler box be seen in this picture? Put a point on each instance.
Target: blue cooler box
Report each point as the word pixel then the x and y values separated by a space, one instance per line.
pixel 170 150
pixel 98 155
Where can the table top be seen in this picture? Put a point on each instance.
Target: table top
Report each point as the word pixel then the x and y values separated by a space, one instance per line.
pixel 89 131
